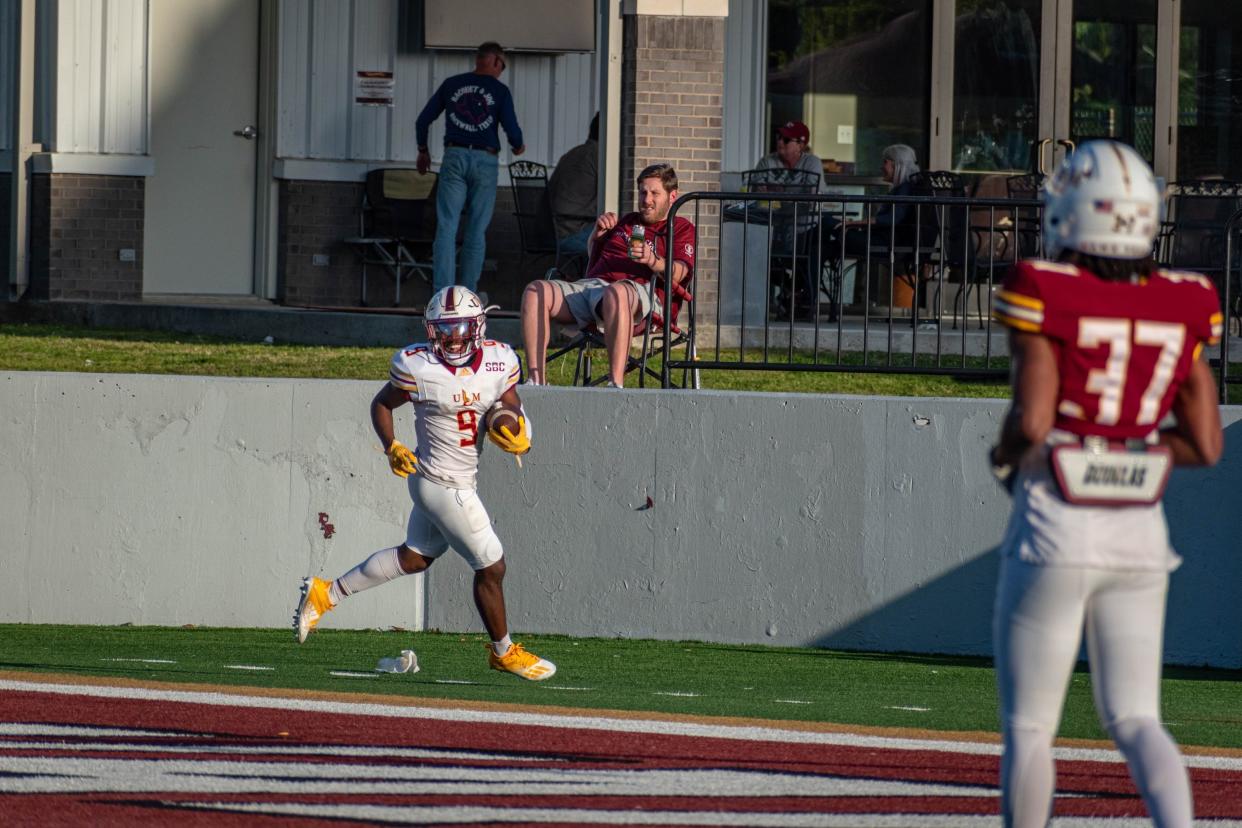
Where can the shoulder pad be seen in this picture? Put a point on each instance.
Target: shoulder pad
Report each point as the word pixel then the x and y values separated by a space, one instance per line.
pixel 404 365
pixel 1186 277
pixel 1042 266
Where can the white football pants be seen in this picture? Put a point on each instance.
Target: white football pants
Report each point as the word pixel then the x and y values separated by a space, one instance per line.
pixel 1037 628
pixel 444 517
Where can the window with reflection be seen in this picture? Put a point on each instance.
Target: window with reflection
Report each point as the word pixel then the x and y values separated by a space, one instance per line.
pixel 1209 110
pixel 1113 84
pixel 996 84
pixel 856 72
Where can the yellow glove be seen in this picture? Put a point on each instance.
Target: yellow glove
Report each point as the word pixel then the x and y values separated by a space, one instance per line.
pixel 513 443
pixel 401 460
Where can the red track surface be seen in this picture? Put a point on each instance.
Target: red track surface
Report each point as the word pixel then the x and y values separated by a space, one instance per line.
pixel 81 758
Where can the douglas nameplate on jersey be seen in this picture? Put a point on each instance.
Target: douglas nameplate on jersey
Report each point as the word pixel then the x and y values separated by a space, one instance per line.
pixel 1096 476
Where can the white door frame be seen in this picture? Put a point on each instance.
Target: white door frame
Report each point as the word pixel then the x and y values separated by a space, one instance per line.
pixel 266 187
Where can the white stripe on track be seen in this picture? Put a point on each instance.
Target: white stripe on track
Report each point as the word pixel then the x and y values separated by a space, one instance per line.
pixel 576 722
pixel 29 729
pixel 316 751
pixel 430 814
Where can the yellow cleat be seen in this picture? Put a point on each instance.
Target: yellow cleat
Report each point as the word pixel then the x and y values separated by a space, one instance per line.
pixel 314 605
pixel 521 663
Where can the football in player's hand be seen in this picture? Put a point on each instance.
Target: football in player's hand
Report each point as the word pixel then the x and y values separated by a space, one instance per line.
pixel 503 417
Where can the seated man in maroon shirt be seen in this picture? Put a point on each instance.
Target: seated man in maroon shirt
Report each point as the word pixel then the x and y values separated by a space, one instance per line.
pixel 613 294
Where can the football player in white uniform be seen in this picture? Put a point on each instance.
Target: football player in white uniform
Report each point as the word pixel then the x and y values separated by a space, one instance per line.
pixel 1104 346
pixel 454 381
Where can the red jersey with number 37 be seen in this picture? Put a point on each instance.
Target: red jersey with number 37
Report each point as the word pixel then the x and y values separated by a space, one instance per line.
pixel 1123 348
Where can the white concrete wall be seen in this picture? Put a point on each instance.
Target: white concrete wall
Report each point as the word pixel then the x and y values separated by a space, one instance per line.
pixel 794 519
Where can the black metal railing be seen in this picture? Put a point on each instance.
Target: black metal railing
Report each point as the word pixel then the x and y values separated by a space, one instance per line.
pixel 851 283
pixel 1230 287
pixel 777 249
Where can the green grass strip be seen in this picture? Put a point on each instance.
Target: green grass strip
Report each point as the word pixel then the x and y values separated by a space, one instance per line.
pixel 692 678
pixel 39 347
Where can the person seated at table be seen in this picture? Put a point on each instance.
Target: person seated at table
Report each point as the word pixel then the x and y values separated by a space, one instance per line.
pixel 792 152
pixel 897 165
pixel 573 190
pixel 885 224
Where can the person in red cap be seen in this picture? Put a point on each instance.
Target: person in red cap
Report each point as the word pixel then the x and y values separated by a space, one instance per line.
pixel 792 153
pixel 790 159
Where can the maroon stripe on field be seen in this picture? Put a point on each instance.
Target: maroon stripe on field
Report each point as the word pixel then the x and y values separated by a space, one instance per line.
pixel 260 726
pixel 1105 787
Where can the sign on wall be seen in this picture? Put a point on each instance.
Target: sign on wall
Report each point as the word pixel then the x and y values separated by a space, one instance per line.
pixel 373 88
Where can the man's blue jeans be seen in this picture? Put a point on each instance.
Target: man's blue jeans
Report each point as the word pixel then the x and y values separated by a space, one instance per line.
pixel 467 180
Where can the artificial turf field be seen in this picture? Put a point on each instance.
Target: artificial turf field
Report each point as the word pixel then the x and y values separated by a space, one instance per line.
pixel 235 726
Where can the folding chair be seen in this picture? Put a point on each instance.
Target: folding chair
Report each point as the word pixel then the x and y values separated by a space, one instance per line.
pixel 648 332
pixel 951 225
pixel 903 247
pixel 792 227
pixel 1192 236
pixel 396 225
pixel 1027 219
pixel 991 245
pixel 536 221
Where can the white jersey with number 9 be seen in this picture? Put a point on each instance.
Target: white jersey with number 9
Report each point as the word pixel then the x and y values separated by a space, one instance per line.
pixel 449 404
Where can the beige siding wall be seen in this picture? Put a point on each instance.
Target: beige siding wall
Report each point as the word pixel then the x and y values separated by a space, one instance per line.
pixel 101 94
pixel 323 44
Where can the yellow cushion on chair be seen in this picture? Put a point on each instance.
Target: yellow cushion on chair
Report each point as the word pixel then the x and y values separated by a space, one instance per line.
pixel 407 184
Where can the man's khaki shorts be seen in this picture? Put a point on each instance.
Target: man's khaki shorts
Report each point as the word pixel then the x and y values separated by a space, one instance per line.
pixel 583 297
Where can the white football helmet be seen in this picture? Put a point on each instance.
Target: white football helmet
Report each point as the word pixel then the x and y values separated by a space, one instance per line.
pixel 1103 201
pixel 456 322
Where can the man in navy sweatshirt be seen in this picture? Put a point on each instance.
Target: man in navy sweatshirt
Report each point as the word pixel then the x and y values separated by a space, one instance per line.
pixel 476 103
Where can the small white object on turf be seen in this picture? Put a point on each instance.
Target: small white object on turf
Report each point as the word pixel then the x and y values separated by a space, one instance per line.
pixel 407 662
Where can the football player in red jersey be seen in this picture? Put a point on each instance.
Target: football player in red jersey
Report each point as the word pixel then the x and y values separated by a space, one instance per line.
pixel 1103 345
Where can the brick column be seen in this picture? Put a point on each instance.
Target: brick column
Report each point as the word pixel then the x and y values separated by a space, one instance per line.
pixel 672 88
pixel 78 226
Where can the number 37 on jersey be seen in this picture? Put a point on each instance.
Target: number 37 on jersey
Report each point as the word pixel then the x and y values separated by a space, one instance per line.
pixel 1122 347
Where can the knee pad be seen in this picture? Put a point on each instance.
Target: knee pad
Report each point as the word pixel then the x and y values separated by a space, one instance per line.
pixel 488 553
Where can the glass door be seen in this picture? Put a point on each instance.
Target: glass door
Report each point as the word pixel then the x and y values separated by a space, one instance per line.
pixel 1034 78
pixel 1209 95
pixel 997 78
pixel 1101 81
